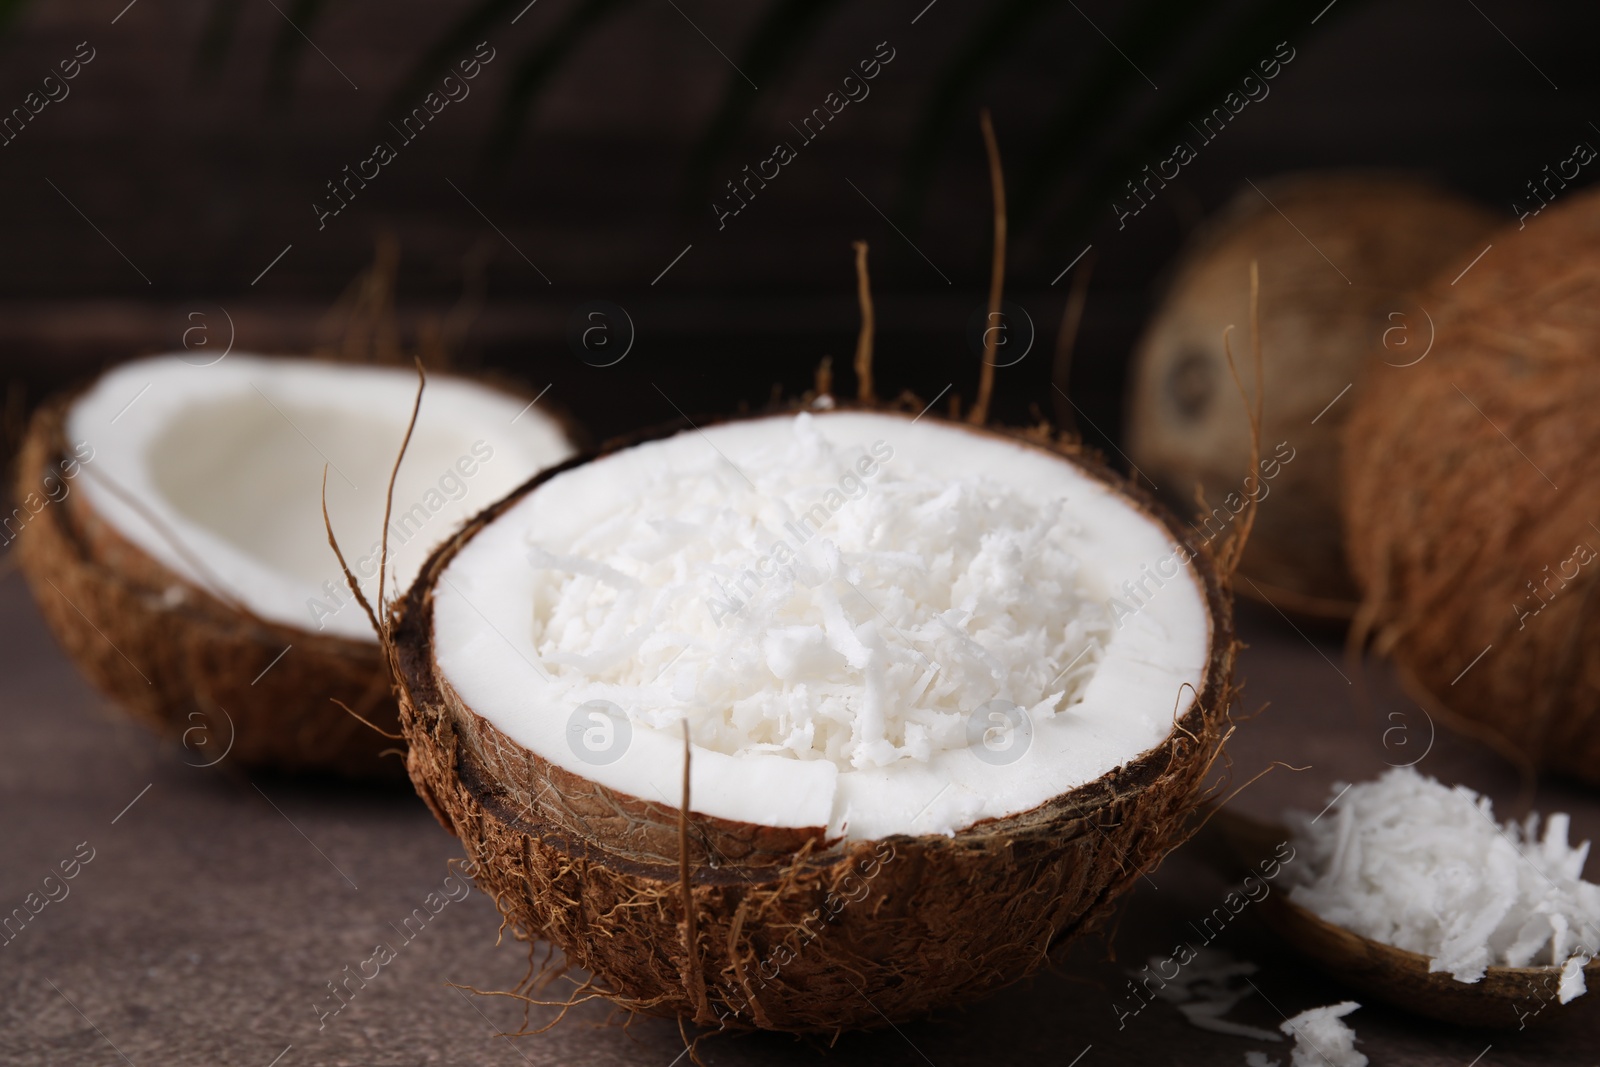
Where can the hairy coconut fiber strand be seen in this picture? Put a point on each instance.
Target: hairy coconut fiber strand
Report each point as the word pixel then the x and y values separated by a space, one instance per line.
pixel 1472 490
pixel 184 661
pixel 789 929
pixel 1322 327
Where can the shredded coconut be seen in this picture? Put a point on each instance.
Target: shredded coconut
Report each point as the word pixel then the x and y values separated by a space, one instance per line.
pixel 1321 1040
pixel 1422 866
pixel 1572 984
pixel 1208 988
pixel 821 602
pixel 1207 1015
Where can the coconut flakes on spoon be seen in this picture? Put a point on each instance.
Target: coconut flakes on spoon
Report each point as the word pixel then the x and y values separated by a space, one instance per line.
pixel 1425 867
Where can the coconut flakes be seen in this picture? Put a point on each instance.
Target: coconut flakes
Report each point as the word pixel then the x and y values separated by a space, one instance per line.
pixel 1209 987
pixel 1572 984
pixel 822 602
pixel 1422 866
pixel 1320 1039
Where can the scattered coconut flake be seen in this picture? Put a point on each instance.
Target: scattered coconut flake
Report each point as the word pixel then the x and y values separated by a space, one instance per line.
pixel 1209 975
pixel 1254 1058
pixel 1207 1014
pixel 1321 1040
pixel 1207 988
pixel 1422 866
pixel 822 602
pixel 1572 984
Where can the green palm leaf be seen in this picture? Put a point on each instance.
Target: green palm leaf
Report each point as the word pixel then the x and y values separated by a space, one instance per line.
pixel 216 37
pixel 782 34
pixel 538 64
pixel 946 109
pixel 299 19
pixel 456 41
pixel 1252 38
pixel 10 11
pixel 1100 98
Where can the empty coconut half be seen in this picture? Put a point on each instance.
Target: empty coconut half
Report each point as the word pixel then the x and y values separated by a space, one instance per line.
pixel 947 692
pixel 173 537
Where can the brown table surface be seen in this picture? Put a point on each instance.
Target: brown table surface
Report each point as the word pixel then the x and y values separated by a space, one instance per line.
pixel 217 908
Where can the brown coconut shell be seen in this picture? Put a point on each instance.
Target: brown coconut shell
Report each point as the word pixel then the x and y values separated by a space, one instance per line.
pixel 187 663
pixel 745 941
pixel 1338 253
pixel 1471 478
pixel 1505 998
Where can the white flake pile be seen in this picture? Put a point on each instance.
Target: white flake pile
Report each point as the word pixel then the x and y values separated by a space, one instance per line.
pixel 821 603
pixel 1422 866
pixel 1320 1040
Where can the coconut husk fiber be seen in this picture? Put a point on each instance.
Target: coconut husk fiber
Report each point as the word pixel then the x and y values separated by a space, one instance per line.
pixel 1472 494
pixel 730 926
pixel 186 661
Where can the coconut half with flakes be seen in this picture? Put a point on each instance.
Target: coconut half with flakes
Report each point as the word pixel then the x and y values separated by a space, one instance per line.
pixel 170 526
pixel 948 692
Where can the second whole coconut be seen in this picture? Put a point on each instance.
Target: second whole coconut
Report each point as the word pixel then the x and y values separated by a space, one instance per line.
pixel 1472 495
pixel 1340 257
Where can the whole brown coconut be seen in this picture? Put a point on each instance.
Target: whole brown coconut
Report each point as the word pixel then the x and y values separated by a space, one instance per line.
pixel 184 653
pixel 716 922
pixel 1472 490
pixel 1340 256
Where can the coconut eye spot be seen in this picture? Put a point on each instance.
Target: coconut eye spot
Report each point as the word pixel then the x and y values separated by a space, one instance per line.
pixel 1191 381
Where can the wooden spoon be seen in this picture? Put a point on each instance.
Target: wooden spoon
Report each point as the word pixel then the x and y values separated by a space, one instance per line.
pixel 1505 997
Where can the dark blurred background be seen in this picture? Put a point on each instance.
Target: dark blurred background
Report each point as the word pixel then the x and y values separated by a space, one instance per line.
pixel 160 193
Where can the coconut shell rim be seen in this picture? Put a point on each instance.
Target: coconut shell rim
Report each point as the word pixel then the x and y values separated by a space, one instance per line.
pixel 60 403
pixel 49 421
pixel 264 733
pixel 411 616
pixel 209 617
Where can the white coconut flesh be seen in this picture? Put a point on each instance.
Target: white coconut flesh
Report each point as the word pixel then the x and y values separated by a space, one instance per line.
pixel 828 600
pixel 216 472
